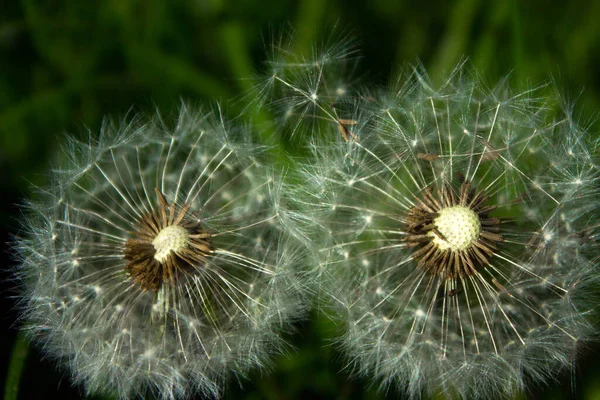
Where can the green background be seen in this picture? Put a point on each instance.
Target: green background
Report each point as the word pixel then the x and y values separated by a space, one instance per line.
pixel 65 64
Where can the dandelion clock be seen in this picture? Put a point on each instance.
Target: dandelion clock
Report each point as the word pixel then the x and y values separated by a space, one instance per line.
pixel 453 236
pixel 154 263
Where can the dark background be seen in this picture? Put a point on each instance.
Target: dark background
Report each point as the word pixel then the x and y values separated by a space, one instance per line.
pixel 65 64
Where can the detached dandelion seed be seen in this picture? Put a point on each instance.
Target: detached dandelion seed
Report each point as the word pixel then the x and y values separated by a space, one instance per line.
pixel 155 263
pixel 451 242
pixel 311 93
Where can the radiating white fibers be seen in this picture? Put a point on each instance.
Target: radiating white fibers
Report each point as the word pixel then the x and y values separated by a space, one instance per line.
pixel 154 264
pixel 451 230
pixel 479 306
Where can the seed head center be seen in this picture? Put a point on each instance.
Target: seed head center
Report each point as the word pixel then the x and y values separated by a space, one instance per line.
pixel 172 238
pixel 460 227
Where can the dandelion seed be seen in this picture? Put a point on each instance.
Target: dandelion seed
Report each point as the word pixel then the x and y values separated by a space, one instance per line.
pixel 142 276
pixel 310 93
pixel 476 282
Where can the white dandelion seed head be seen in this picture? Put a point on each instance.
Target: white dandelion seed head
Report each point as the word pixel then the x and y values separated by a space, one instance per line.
pixel 479 261
pixel 141 276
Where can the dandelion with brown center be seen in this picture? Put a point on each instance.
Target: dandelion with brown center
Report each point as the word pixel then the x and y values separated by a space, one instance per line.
pixel 453 232
pixel 168 242
pixel 156 266
pixel 451 248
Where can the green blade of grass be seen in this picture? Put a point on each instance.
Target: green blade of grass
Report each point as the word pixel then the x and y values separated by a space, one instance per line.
pixel 15 368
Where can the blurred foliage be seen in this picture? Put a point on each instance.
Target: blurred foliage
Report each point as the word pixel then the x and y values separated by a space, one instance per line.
pixel 65 64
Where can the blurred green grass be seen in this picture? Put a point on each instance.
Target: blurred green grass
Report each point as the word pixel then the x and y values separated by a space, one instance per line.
pixel 65 64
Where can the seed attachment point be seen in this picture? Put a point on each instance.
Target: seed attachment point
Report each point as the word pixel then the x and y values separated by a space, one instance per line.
pixel 451 232
pixel 460 227
pixel 167 241
pixel 172 238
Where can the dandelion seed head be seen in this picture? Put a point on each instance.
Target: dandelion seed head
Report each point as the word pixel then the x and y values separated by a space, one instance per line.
pixel 145 279
pixel 477 280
